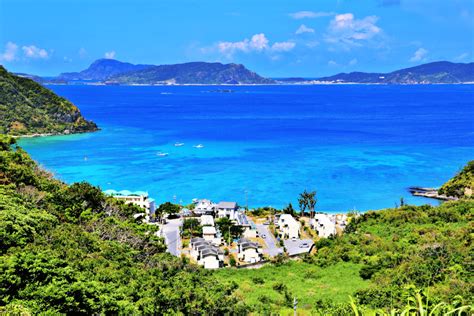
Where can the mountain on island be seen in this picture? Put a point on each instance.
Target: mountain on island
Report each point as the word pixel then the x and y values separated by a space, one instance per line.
pixel 192 73
pixel 102 69
pixel 28 108
pixel 435 72
pixel 117 72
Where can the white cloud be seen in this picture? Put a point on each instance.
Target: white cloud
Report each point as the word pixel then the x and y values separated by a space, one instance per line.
pixel 332 63
pixel 82 52
pixel 304 29
pixel 110 55
pixel 312 44
pixel 309 14
pixel 345 29
pixel 419 55
pixel 258 43
pixel 10 52
pixel 34 52
pixel 283 46
pixel 461 57
pixel 353 62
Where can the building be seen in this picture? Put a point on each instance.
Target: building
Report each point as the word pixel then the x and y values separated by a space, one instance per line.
pixel 288 226
pixel 138 198
pixel 206 254
pixel 323 224
pixel 250 230
pixel 207 220
pixel 204 206
pixel 227 209
pixel 249 252
pixel 209 233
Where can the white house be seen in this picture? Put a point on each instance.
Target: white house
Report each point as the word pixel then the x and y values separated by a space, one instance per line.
pixel 250 230
pixel 288 226
pixel 138 198
pixel 207 220
pixel 249 251
pixel 324 225
pixel 204 206
pixel 209 233
pixel 206 254
pixel 227 209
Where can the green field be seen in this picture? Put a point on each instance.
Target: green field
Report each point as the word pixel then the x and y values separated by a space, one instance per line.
pixel 307 282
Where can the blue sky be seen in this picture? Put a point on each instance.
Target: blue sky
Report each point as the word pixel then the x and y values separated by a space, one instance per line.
pixel 274 38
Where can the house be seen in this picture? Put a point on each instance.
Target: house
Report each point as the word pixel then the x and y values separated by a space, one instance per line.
pixel 323 224
pixel 206 254
pixel 207 220
pixel 204 206
pixel 288 226
pixel 249 251
pixel 227 209
pixel 138 198
pixel 250 229
pixel 209 233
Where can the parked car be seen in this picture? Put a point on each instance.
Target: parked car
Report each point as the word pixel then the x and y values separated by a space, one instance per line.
pixel 304 245
pixel 263 236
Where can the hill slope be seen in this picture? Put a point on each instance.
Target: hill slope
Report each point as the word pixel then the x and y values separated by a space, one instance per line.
pixel 26 107
pixel 436 72
pixel 102 69
pixel 462 184
pixel 192 73
pixel 72 250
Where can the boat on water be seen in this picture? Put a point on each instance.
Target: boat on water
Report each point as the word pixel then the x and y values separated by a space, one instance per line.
pixel 160 154
pixel 178 144
pixel 199 146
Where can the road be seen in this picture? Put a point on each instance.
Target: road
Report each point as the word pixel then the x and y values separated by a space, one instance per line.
pixel 272 248
pixel 293 246
pixel 172 237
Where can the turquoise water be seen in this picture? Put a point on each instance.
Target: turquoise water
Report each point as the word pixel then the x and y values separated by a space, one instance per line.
pixel 359 146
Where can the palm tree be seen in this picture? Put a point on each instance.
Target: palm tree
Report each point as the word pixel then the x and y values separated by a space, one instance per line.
pixel 307 200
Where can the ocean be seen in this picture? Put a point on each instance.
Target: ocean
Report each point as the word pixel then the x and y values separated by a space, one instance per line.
pixel 359 146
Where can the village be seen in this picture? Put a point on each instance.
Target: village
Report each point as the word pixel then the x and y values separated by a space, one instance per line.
pixel 223 234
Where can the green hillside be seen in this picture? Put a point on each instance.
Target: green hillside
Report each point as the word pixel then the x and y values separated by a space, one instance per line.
pixel 26 107
pixel 71 250
pixel 462 184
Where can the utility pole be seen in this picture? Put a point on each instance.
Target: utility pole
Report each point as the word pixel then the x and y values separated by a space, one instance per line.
pixel 295 305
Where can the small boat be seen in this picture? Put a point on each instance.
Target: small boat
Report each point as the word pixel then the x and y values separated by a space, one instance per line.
pixel 162 154
pixel 199 146
pixel 178 144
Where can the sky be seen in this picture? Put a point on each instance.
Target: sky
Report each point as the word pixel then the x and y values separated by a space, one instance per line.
pixel 275 38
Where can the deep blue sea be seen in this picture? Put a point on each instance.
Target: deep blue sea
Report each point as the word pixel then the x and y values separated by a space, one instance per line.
pixel 359 146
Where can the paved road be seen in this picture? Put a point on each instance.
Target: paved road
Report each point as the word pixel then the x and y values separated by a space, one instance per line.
pixel 172 237
pixel 293 246
pixel 272 248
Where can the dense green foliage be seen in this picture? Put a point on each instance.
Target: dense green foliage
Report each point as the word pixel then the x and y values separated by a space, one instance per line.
pixel 71 249
pixel 26 107
pixel 463 180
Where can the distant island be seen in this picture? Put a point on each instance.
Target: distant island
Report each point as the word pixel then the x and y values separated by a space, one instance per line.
pixel 431 73
pixel 27 108
pixel 110 71
pixel 114 72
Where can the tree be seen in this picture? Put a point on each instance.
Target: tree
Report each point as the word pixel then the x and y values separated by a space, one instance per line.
pixel 166 208
pixel 289 210
pixel 192 227
pixel 228 229
pixel 307 201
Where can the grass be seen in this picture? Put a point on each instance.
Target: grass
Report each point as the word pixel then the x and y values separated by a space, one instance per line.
pixel 307 282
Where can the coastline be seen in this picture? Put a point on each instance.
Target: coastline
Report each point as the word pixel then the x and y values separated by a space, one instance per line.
pixel 51 134
pixel 431 193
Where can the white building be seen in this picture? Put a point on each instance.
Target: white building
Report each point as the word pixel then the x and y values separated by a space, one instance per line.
pixel 206 254
pixel 204 206
pixel 250 230
pixel 207 220
pixel 288 226
pixel 138 198
pixel 227 209
pixel 249 251
pixel 324 224
pixel 209 233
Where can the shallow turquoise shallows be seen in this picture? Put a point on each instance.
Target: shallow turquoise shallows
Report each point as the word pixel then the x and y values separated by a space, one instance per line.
pixel 359 146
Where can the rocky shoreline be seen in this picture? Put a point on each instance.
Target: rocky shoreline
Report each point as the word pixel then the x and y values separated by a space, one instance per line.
pixel 431 193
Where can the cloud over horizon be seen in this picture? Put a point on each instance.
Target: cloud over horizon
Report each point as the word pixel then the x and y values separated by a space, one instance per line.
pixel 35 52
pixel 419 55
pixel 110 55
pixel 304 29
pixel 348 31
pixel 9 54
pixel 309 14
pixel 257 43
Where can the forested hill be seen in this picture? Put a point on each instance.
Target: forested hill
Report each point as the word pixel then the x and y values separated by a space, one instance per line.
pixel 72 250
pixel 435 72
pixel 192 73
pixel 26 107
pixel 462 184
